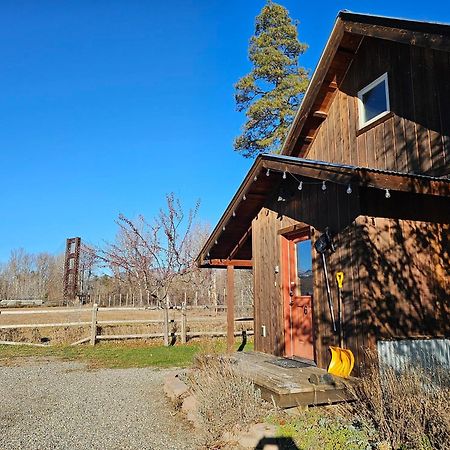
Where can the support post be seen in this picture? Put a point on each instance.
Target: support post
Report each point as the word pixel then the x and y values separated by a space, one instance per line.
pixel 183 321
pixel 166 322
pixel 230 309
pixel 94 324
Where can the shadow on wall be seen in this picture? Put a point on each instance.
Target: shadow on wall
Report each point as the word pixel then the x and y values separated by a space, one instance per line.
pixel 397 283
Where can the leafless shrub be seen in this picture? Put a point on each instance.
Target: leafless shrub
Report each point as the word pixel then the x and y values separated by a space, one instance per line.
pixel 409 409
pixel 227 401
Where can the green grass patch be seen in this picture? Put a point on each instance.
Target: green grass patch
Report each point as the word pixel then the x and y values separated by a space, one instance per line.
pixel 119 355
pixel 315 429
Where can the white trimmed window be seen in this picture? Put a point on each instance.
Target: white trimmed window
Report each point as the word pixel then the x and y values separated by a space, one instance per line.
pixel 373 101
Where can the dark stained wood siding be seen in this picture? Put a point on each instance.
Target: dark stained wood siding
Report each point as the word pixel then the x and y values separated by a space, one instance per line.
pixel 396 269
pixel 416 136
pixel 404 278
pixel 333 208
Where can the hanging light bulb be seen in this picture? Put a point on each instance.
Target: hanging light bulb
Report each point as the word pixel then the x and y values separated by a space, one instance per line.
pixel 300 186
pixel 234 213
pixel 324 186
pixel 244 197
pixel 349 189
pixel 284 175
pixel 268 172
pixel 254 179
pixel 215 242
pixel 387 193
pixel 223 228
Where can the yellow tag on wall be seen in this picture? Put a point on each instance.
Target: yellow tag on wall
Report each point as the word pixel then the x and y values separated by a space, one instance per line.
pixel 340 279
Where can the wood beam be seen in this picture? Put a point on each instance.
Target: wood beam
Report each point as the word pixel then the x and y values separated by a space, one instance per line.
pixel 419 38
pixel 231 262
pixel 314 86
pixel 240 243
pixel 320 114
pixel 230 309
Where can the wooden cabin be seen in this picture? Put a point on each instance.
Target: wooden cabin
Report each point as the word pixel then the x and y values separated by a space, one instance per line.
pixel 367 159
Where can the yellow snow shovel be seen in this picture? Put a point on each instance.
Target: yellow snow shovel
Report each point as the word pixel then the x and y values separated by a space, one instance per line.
pixel 342 359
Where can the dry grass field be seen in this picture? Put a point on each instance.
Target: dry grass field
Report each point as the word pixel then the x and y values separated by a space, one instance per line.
pixel 74 323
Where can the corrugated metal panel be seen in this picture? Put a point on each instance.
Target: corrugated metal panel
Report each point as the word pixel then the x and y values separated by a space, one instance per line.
pixel 428 354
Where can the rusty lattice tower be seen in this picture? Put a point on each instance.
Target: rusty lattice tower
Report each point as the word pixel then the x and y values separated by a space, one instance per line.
pixel 71 267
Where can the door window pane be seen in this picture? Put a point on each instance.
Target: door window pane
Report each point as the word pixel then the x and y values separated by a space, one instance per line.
pixel 304 267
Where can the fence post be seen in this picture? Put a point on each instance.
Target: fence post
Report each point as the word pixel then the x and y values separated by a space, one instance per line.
pixel 183 320
pixel 166 322
pixel 94 324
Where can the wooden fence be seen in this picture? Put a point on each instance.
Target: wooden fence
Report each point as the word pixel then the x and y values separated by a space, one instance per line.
pixel 94 324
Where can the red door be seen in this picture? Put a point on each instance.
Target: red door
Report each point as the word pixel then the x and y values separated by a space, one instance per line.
pixel 297 295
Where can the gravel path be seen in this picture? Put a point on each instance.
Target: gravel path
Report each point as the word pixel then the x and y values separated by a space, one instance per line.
pixel 49 404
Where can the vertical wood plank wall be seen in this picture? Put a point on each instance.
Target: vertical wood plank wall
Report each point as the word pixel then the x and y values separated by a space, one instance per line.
pixel 416 137
pixel 333 208
pixel 396 272
pixel 404 277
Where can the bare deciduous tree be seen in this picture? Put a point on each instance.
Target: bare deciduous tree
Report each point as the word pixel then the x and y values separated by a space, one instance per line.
pixel 152 255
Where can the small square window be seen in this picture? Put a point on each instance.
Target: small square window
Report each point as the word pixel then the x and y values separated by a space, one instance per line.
pixel 373 101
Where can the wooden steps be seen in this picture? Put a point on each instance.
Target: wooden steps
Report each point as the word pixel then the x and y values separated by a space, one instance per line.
pixel 290 387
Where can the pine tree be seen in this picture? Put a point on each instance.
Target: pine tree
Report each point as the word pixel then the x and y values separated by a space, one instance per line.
pixel 271 93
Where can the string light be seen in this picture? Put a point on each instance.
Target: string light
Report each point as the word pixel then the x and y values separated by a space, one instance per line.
pixel 268 172
pixel 324 186
pixel 300 186
pixel 215 242
pixel 234 213
pixel 349 189
pixel 244 197
pixel 223 228
pixel 281 199
pixel 254 179
pixel 387 193
pixel 284 175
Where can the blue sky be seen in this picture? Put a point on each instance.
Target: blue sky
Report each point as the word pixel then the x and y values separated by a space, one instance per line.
pixel 107 105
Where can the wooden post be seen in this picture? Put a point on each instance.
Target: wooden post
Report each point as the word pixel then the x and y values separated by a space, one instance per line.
pixel 230 309
pixel 183 322
pixel 94 324
pixel 196 298
pixel 120 299
pixel 166 322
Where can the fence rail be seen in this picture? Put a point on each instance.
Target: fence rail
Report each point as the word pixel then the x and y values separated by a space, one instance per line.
pixel 94 324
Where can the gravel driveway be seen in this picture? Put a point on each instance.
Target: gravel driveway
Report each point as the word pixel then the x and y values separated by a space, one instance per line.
pixel 49 404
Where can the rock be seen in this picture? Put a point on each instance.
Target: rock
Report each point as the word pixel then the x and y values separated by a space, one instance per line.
pixel 190 408
pixel 256 432
pixel 174 388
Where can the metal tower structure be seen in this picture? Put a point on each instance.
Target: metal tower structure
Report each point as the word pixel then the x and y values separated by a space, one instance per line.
pixel 71 268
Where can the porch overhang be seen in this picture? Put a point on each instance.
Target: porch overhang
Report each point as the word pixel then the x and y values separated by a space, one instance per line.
pixel 230 242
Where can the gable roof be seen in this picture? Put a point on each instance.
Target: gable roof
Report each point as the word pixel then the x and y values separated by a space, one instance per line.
pixel 230 241
pixel 348 32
